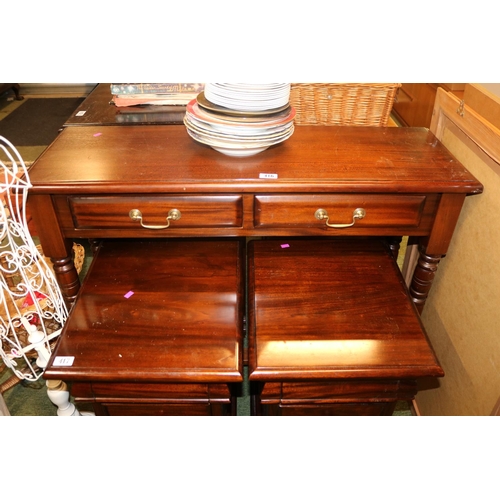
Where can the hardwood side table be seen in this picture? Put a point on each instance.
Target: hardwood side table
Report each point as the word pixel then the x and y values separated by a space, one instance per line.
pixel 332 330
pixel 157 329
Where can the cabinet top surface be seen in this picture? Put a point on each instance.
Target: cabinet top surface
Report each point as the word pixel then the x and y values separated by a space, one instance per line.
pixel 163 158
pixel 331 307
pixel 142 318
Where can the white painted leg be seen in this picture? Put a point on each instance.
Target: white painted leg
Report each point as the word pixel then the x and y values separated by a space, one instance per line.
pixel 58 393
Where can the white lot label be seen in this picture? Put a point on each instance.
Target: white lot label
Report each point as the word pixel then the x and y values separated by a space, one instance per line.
pixel 63 361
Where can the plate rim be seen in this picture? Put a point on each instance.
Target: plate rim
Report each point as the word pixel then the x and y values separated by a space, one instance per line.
pixel 206 104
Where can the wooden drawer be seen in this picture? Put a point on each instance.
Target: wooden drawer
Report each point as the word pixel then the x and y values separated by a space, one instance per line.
pixel 171 392
pixel 337 391
pixel 156 410
pixel 189 409
pixel 331 410
pixel 387 211
pixel 156 399
pixel 334 397
pixel 112 212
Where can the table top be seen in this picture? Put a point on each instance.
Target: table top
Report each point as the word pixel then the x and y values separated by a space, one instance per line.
pixel 98 109
pixel 164 310
pixel 323 308
pixel 159 159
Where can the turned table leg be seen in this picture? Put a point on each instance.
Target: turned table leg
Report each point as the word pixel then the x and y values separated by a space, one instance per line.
pixel 423 276
pixel 395 245
pixel 67 277
pixel 55 245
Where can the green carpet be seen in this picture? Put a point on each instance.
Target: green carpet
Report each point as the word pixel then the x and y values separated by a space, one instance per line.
pixel 27 398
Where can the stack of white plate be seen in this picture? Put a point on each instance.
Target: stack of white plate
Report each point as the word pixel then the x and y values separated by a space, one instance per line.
pixel 254 118
pixel 248 97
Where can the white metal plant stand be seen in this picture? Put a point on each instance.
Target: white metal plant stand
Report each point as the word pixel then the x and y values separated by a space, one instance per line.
pixel 32 308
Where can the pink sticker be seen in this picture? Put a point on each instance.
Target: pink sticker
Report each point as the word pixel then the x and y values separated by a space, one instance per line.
pixel 98 134
pixel 285 245
pixel 129 294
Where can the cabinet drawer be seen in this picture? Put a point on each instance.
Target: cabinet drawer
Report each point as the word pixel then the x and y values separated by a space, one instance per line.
pixel 91 212
pixel 335 397
pixel 158 391
pixel 116 398
pixel 158 410
pixel 331 410
pixel 380 210
pixel 334 391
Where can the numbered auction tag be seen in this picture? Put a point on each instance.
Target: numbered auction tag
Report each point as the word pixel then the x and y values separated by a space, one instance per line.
pixel 63 361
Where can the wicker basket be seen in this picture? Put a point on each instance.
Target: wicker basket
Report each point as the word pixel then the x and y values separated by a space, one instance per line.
pixel 357 104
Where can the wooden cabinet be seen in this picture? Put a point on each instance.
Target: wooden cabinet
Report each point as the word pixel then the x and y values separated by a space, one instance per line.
pixel 415 101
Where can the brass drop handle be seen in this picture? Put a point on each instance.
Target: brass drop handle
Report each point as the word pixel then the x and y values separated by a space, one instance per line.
pixel 322 214
pixel 136 215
